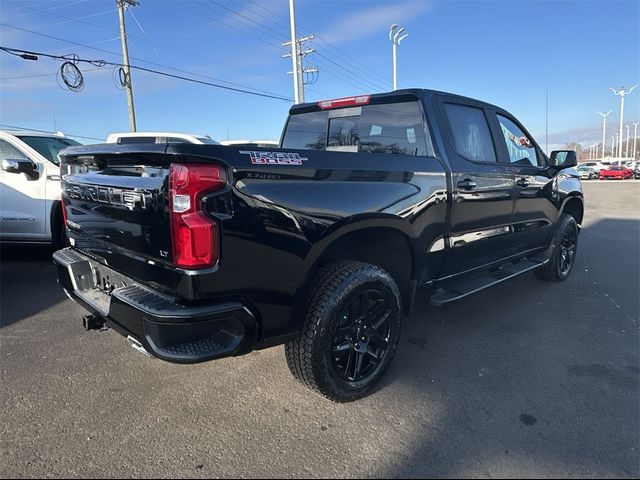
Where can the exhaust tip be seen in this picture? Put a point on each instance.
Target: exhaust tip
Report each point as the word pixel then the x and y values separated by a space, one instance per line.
pixel 136 345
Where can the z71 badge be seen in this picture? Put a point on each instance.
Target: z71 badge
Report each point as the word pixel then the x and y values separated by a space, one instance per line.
pixel 274 158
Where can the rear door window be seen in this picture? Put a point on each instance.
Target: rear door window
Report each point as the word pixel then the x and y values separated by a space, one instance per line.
pixel 394 128
pixel 470 133
pixel 306 131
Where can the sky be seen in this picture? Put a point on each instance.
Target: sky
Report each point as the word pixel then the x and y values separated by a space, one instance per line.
pixel 509 53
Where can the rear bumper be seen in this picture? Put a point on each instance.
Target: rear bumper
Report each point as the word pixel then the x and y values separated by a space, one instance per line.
pixel 166 329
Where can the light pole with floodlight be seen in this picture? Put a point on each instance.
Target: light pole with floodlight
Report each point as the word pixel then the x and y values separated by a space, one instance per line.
pixel 622 93
pixel 395 36
pixel 604 127
pixel 613 146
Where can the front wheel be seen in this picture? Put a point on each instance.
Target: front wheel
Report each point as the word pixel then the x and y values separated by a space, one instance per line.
pixel 350 331
pixel 563 251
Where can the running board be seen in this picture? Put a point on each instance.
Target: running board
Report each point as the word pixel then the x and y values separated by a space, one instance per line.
pixel 489 279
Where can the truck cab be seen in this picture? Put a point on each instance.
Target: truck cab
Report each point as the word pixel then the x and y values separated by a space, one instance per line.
pixel 30 208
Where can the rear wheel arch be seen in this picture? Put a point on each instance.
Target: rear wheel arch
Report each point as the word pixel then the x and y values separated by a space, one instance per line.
pixel 384 246
pixel 56 224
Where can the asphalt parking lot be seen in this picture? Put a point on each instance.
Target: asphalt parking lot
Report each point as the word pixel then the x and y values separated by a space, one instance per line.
pixel 528 379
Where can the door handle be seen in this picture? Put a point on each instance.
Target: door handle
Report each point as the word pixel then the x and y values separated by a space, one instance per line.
pixel 467 184
pixel 522 182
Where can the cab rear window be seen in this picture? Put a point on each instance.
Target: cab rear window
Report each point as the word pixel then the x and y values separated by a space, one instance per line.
pixel 394 128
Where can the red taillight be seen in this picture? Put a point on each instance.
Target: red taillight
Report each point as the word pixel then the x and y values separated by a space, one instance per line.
pixel 194 234
pixel 344 102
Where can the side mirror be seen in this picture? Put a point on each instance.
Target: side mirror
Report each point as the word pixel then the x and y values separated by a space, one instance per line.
pixel 21 165
pixel 563 159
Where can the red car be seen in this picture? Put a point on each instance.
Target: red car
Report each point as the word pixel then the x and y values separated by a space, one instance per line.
pixel 619 173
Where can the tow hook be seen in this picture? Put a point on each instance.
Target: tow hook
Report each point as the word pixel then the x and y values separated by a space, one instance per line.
pixel 91 322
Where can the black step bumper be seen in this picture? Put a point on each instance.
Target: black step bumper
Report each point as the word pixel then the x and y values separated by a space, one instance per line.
pixel 166 329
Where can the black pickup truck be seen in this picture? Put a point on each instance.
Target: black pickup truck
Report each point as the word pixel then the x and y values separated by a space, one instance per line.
pixel 196 252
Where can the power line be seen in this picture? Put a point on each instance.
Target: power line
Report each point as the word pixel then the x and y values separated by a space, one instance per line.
pixel 343 73
pixel 47 9
pixel 131 36
pixel 367 70
pixel 217 20
pixel 370 83
pixel 37 75
pixel 46 131
pixel 269 94
pixel 235 12
pixel 28 76
pixel 14 51
pixel 35 4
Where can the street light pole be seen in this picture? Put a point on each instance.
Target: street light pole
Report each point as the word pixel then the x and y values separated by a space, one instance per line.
pixel 635 138
pixel 395 36
pixel 622 93
pixel 626 150
pixel 613 146
pixel 604 127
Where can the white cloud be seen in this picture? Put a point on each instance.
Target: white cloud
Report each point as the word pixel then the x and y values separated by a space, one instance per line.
pixel 372 20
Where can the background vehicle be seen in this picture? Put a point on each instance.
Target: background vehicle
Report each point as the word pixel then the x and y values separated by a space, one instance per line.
pixel 250 143
pixel 597 166
pixel 587 173
pixel 159 137
pixel 30 208
pixel 197 252
pixel 616 173
pixel 636 172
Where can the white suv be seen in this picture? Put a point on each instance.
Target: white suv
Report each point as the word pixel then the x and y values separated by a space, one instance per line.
pixel 158 137
pixel 30 208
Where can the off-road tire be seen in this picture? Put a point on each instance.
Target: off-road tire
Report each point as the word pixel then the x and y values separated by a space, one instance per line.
pixel 555 270
pixel 310 355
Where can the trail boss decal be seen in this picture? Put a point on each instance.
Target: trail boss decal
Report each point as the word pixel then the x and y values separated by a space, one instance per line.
pixel 274 158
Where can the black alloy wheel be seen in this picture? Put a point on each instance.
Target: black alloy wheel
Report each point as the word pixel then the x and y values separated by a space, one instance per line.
pixel 362 335
pixel 568 250
pixel 563 251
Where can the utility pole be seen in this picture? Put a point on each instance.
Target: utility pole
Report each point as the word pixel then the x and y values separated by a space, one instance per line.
pixel 604 127
pixel 635 138
pixel 122 6
pixel 622 93
pixel 395 36
pixel 301 52
pixel 618 147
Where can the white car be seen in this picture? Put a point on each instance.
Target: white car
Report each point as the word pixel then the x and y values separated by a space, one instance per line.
pixel 159 137
pixel 30 208
pixel 595 165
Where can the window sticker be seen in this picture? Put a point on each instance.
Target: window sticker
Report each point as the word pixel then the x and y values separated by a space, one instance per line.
pixel 376 130
pixel 411 135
